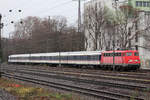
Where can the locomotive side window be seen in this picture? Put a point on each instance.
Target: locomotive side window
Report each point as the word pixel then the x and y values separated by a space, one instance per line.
pixel 116 54
pixel 119 54
pixel 107 54
pixel 129 54
pixel 123 54
pixel 104 54
pixel 111 54
pixel 136 54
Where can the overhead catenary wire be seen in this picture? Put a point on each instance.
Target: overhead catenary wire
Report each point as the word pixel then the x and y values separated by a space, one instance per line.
pixel 52 8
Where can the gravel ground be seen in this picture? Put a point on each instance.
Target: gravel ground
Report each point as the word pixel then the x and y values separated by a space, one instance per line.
pixel 116 90
pixel 80 84
pixel 6 96
pixel 81 70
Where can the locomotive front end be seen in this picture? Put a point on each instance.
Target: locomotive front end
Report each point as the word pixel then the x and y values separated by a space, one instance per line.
pixel 132 59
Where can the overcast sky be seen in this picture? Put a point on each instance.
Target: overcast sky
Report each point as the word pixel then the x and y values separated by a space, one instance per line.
pixel 41 8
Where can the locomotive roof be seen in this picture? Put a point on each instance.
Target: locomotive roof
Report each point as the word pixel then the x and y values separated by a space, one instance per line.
pixel 120 51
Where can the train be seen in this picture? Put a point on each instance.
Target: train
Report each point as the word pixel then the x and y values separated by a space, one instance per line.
pixel 118 59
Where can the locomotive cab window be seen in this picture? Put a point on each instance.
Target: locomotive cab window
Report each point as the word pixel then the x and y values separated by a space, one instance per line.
pixel 129 54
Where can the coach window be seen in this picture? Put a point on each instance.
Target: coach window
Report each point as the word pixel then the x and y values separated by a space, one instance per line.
pixel 94 57
pixel 129 54
pixel 78 57
pixel 88 58
pixel 83 57
pixel 51 57
pixel 66 58
pixel 54 58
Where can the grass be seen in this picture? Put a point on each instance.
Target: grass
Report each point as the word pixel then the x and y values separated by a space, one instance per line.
pixel 26 92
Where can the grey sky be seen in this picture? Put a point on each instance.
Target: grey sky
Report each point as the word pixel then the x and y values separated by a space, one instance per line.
pixel 41 8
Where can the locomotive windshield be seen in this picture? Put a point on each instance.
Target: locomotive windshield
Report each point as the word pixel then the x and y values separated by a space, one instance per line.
pixel 129 54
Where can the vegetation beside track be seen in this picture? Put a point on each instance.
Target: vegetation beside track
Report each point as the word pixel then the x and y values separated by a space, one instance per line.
pixel 26 92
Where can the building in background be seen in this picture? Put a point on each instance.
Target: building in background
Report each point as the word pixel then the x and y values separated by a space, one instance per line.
pixel 92 10
pixel 140 8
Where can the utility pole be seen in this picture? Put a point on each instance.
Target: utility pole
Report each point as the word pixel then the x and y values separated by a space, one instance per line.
pixel 114 36
pixel 79 16
pixel 136 36
pixel 79 21
pixel 1 26
pixel 49 24
pixel 49 30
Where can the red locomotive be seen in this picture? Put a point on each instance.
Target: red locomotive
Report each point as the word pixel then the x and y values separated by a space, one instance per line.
pixel 121 59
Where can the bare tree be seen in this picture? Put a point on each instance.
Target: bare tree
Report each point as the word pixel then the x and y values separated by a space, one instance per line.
pixel 36 35
pixel 94 21
pixel 147 33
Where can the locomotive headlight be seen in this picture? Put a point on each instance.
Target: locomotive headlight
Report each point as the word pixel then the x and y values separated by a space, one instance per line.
pixel 136 60
pixel 130 60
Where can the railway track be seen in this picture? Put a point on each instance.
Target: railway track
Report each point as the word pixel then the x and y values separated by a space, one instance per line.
pixel 140 73
pixel 120 82
pixel 117 77
pixel 83 80
pixel 87 91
